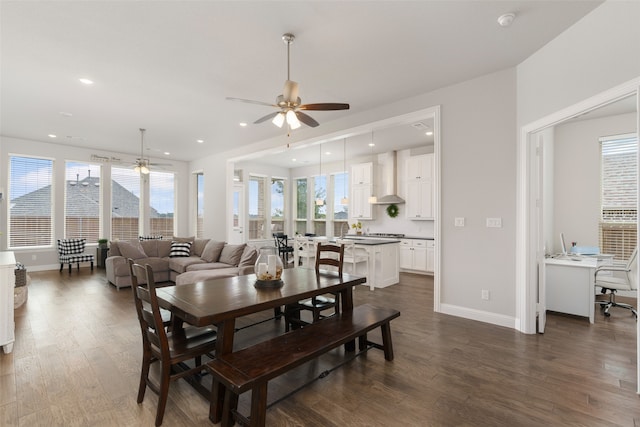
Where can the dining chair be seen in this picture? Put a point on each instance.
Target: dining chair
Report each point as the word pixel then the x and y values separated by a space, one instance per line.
pixel 170 349
pixel 282 243
pixel 305 251
pixel 353 256
pixel 327 255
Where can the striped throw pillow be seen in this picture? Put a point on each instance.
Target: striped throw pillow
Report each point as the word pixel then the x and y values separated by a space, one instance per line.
pixel 180 249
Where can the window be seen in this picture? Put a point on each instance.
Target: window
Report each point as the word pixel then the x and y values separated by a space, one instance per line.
pixel 125 203
pixel 30 198
pixel 277 205
pixel 301 206
pixel 200 205
pixel 340 211
pixel 82 206
pixel 162 200
pixel 320 211
pixel 619 189
pixel 256 207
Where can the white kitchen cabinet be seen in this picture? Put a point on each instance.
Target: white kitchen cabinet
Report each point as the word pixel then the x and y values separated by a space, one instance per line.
pixel 7 282
pixel 414 254
pixel 431 256
pixel 420 190
pixel 361 189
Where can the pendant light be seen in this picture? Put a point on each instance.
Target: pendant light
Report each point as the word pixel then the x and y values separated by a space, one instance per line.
pixel 319 200
pixel 345 199
pixel 372 199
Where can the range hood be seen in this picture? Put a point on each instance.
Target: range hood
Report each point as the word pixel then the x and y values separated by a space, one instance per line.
pixel 390 177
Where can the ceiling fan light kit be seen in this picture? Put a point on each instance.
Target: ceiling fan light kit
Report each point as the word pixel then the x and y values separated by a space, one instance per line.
pixel 141 163
pixel 289 103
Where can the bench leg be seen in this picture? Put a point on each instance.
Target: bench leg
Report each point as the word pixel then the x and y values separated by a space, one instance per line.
pixel 217 397
pixel 362 342
pixel 230 403
pixel 386 341
pixel 258 405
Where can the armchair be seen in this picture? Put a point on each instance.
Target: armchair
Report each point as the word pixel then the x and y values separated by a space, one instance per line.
pixel 71 251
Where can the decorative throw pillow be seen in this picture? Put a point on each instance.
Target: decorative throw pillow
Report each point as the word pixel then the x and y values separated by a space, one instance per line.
pixel 131 250
pixel 212 251
pixel 185 240
pixel 142 238
pixel 231 254
pixel 180 249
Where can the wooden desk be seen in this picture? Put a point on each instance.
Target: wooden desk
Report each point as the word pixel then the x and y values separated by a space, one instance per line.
pixel 220 301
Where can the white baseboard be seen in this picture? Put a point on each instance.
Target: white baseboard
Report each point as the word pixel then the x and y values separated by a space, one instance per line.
pixel 479 315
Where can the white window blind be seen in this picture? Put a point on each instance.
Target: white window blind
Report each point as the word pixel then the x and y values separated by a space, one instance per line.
pixel 162 200
pixel 82 205
pixel 200 206
pixel 619 195
pixel 30 195
pixel 125 203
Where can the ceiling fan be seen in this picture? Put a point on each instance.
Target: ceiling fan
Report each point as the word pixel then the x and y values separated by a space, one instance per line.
pixel 289 104
pixel 142 164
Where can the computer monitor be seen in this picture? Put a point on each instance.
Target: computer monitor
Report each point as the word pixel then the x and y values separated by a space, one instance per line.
pixel 562 245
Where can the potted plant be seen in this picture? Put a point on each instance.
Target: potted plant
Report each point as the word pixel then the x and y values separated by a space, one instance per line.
pixel 102 243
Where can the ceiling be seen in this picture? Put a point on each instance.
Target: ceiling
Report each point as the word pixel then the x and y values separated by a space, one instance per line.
pixel 168 66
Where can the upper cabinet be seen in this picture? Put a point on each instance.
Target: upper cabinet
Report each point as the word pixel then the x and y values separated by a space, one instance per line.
pixel 420 190
pixel 361 188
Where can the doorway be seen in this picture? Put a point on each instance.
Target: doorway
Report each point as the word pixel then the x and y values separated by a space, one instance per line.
pixel 531 240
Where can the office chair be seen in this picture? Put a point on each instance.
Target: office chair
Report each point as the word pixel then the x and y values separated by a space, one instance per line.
pixel 622 278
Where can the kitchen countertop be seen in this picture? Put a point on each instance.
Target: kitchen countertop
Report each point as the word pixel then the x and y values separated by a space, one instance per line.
pixel 364 236
pixel 370 241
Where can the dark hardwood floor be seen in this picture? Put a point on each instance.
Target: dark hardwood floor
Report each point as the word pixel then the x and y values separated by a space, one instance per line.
pixel 77 357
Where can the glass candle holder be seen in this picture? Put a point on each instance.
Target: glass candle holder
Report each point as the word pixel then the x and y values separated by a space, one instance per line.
pixel 268 266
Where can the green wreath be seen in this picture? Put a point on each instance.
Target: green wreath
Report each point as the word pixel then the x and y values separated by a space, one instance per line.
pixel 392 210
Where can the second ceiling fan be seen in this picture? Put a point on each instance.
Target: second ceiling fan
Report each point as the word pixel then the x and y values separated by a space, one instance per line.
pixel 289 104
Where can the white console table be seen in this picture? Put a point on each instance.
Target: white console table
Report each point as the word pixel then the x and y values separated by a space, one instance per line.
pixel 7 281
pixel 570 286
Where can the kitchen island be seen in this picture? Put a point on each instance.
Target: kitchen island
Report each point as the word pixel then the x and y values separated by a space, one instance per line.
pixel 384 266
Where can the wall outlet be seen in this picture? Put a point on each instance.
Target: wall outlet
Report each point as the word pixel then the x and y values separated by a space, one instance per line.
pixel 485 294
pixel 459 222
pixel 494 222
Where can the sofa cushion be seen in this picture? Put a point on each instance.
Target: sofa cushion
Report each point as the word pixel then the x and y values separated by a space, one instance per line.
pixel 207 266
pixel 150 247
pixel 180 249
pixel 180 264
pixel 131 249
pixel 157 264
pixel 212 251
pixel 249 257
pixel 231 254
pixel 198 246
pixel 198 276
pixel 164 247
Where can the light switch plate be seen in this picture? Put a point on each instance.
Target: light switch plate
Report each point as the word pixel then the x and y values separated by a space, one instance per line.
pixel 459 222
pixel 494 222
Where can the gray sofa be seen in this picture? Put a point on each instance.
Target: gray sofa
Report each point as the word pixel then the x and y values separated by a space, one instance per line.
pixel 207 259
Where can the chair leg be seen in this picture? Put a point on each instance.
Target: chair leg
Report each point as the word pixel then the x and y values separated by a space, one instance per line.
pixel 163 392
pixel 91 265
pixel 69 268
pixel 61 267
pixel 144 376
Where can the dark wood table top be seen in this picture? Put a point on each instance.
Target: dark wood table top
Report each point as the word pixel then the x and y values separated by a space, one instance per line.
pixel 214 301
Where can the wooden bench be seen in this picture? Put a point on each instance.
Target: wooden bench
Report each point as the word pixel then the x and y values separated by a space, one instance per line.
pixel 251 368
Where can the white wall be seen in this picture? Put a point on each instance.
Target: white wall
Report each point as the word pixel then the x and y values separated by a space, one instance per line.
pixel 48 258
pixel 597 53
pixel 577 176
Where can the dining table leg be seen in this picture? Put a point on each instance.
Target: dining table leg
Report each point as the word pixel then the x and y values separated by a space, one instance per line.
pixel 346 298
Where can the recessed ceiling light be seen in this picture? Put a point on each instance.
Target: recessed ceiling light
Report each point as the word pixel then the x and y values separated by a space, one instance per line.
pixel 328 153
pixel 65 114
pixel 166 153
pixel 293 160
pixel 86 81
pixel 199 141
pixel 52 135
pixel 243 124
pixel 371 144
pixel 429 133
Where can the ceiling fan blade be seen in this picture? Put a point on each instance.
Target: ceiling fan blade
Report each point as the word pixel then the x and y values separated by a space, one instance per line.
pixel 250 101
pixel 306 119
pixel 326 106
pixel 267 117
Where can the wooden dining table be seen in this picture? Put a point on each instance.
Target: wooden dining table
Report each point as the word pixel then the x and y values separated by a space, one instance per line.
pixel 221 301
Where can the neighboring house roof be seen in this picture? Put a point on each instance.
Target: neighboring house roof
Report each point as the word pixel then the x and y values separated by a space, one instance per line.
pixel 85 201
